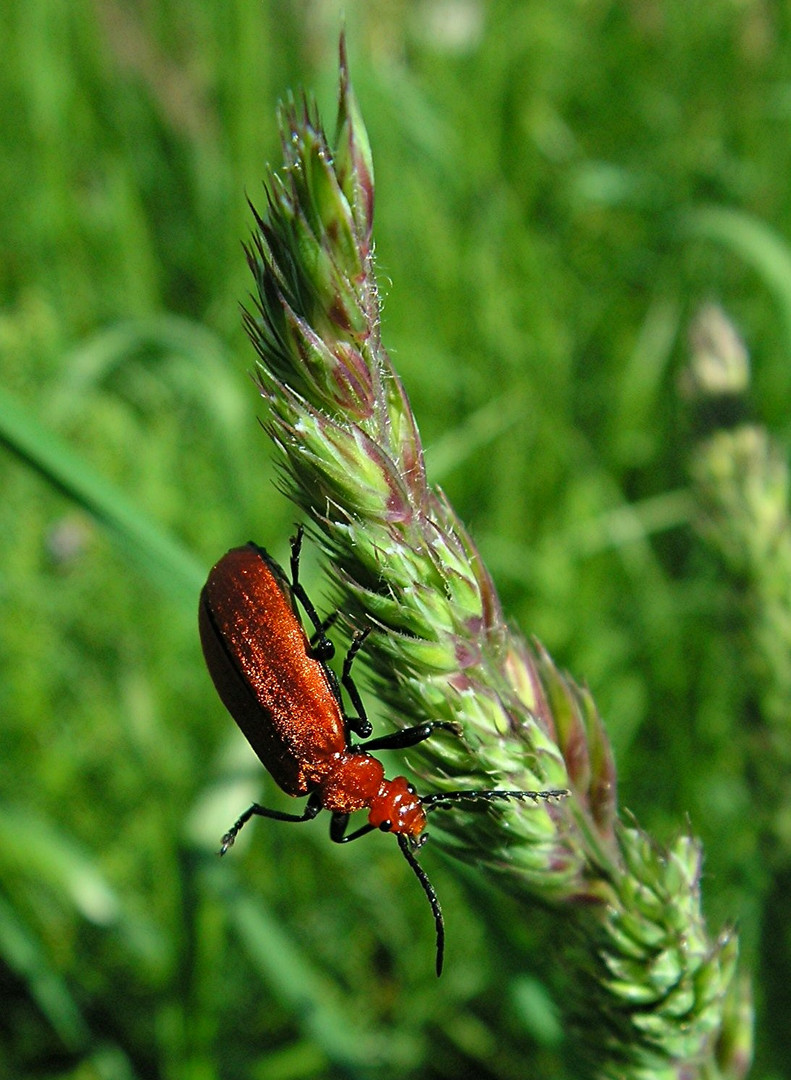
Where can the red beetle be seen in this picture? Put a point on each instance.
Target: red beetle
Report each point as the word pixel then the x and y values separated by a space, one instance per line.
pixel 278 687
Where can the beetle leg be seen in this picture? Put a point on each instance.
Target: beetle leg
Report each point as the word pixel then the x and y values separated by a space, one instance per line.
pixel 318 641
pixel 411 736
pixel 338 834
pixel 321 646
pixel 296 548
pixel 312 808
pixel 359 724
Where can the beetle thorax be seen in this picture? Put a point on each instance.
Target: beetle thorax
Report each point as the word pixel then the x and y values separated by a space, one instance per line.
pixel 351 781
pixel 356 780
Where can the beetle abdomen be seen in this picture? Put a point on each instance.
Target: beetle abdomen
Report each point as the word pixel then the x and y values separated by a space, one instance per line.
pixel 259 659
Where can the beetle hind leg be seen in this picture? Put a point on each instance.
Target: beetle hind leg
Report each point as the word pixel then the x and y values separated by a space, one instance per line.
pixel 321 646
pixel 359 724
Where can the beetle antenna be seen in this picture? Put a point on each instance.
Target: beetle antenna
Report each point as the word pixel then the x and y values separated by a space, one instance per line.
pixel 447 798
pixel 433 899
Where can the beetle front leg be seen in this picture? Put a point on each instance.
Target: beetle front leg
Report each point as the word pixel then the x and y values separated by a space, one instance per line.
pixel 338 825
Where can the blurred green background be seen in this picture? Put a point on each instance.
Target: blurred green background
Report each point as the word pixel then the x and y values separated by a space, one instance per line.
pixel 546 173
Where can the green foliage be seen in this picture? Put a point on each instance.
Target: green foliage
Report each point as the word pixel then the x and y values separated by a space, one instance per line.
pixel 559 187
pixel 660 989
